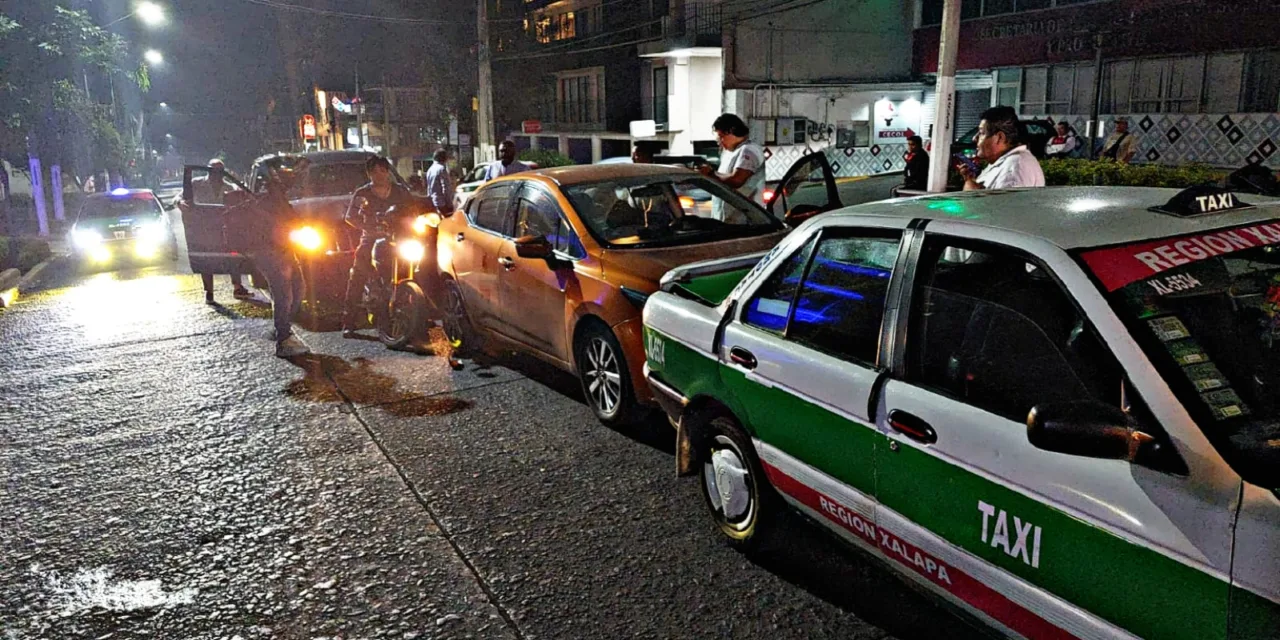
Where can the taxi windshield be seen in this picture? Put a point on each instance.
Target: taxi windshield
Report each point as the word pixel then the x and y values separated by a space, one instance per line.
pixel 119 207
pixel 666 210
pixel 1206 309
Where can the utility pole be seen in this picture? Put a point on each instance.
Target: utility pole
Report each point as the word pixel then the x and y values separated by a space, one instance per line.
pixel 359 109
pixel 945 115
pixel 1095 125
pixel 484 117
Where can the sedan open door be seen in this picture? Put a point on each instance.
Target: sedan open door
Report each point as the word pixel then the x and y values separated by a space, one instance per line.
pixel 203 207
pixel 807 189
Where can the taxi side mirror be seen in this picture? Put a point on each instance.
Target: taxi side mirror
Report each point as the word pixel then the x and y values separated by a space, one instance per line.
pixel 536 247
pixel 1085 428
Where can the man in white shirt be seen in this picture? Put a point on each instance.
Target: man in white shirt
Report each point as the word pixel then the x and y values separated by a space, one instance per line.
pixel 507 165
pixel 741 164
pixel 1011 164
pixel 1063 144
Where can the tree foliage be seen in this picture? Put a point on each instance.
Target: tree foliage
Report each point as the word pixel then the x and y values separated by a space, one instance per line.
pixel 46 50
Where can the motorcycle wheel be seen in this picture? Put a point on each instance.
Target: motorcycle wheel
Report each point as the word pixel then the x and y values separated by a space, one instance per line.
pixel 377 305
pixel 407 320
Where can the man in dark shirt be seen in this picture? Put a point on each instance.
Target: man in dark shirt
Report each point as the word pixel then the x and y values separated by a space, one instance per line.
pixel 916 177
pixel 273 256
pixel 367 202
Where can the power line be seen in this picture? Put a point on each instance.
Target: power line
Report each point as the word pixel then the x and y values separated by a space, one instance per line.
pixel 275 4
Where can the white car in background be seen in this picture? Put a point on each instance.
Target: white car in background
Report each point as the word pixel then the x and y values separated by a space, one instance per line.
pixel 472 181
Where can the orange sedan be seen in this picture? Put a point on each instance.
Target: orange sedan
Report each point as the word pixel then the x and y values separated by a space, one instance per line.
pixel 558 263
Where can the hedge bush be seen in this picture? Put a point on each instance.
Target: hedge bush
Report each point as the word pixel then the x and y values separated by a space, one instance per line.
pixel 1099 172
pixel 546 158
pixel 23 253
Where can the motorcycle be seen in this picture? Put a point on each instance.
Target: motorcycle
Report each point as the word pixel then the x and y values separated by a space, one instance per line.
pixel 399 297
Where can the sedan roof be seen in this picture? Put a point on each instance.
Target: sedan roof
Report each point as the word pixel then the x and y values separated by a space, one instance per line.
pixel 588 173
pixel 1069 217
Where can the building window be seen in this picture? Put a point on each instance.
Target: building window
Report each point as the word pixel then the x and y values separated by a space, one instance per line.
pixel 1262 82
pixel 1008 86
pixel 660 91
pixel 931 11
pixel 580 96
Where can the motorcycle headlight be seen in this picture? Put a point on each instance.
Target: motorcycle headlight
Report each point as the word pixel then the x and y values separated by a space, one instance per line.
pixel 424 222
pixel 86 239
pixel 306 238
pixel 411 250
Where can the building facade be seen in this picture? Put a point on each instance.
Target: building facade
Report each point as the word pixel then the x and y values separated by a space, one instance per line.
pixel 1199 80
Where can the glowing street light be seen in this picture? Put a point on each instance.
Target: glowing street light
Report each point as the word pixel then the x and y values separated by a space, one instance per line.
pixel 164 105
pixel 150 13
pixel 153 57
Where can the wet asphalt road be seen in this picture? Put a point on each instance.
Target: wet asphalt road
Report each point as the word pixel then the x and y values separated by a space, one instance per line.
pixel 167 477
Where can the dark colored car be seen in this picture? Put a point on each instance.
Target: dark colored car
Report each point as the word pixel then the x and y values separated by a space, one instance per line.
pixel 1035 134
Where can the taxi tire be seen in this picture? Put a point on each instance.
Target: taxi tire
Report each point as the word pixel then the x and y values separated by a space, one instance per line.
pixel 591 337
pixel 759 532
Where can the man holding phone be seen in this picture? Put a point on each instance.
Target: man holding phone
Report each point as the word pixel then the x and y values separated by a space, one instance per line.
pixel 1010 163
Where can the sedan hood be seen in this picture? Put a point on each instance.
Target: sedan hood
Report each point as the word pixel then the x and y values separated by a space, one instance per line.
pixel 329 208
pixel 651 264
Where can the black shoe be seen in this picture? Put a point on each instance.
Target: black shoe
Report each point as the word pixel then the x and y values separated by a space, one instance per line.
pixel 350 333
pixel 208 298
pixel 242 293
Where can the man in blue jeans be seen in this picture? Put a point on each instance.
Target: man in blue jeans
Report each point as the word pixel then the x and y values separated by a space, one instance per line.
pixel 275 259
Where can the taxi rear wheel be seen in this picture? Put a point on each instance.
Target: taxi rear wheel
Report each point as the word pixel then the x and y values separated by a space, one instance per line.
pixel 737 493
pixel 605 377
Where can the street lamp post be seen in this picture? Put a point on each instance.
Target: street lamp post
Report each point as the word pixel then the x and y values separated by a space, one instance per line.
pixel 150 13
pixel 153 57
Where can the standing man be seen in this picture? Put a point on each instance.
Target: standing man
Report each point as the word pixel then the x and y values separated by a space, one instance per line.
pixel 212 188
pixel 507 163
pixel 741 165
pixel 275 259
pixel 1063 143
pixel 641 154
pixel 916 176
pixel 440 183
pixel 373 199
pixel 1119 146
pixel 999 143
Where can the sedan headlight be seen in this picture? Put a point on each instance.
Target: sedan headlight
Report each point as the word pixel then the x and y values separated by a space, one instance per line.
pixel 86 239
pixel 411 250
pixel 152 233
pixel 306 238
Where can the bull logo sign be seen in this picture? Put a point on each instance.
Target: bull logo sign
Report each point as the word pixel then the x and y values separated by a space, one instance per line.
pixel 896 120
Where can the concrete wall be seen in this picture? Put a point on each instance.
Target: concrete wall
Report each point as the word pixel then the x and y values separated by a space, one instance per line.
pixel 831 41
pixel 693 99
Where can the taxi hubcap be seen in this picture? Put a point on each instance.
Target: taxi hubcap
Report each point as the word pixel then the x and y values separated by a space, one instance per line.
pixel 728 484
pixel 603 376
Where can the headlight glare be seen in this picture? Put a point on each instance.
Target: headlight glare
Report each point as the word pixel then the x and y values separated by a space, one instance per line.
pixel 411 250
pixel 306 238
pixel 152 232
pixel 426 221
pixel 86 239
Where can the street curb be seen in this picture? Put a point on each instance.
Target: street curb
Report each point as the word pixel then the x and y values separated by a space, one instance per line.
pixel 35 271
pixel 9 279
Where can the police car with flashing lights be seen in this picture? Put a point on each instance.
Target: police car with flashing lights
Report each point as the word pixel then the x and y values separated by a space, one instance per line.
pixel 1057 409
pixel 122 225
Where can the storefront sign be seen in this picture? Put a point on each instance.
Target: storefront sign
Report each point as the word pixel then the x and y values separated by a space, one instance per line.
pixel 531 126
pixel 1128 28
pixel 895 121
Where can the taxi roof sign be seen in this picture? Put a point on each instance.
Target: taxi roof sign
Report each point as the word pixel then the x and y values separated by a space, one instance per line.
pixel 1201 200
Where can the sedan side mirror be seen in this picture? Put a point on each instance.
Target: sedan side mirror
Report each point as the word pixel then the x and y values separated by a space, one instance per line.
pixel 1085 428
pixel 534 247
pixel 800 213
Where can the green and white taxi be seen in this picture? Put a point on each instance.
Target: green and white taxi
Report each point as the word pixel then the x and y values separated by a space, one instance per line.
pixel 1058 409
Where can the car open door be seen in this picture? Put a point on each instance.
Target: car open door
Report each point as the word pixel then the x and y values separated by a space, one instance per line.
pixel 807 189
pixel 202 210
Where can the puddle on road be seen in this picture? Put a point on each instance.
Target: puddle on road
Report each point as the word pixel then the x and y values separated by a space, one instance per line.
pixel 95 589
pixel 363 385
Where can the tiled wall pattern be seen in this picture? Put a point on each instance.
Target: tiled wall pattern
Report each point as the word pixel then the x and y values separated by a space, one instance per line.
pixel 857 161
pixel 1221 140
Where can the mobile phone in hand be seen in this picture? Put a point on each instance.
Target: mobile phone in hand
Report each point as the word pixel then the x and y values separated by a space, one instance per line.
pixel 962 160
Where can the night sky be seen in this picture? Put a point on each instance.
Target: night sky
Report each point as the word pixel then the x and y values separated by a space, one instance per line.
pixel 227 62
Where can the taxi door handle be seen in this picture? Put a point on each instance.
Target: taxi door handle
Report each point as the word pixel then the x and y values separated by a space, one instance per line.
pixel 742 357
pixel 461 236
pixel 507 263
pixel 912 427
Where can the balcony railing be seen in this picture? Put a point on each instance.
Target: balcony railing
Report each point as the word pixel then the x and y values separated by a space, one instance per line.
pixel 588 114
pixel 699 20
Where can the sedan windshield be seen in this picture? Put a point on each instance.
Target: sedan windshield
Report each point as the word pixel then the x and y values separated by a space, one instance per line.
pixel 338 179
pixel 1206 308
pixel 119 207
pixel 666 210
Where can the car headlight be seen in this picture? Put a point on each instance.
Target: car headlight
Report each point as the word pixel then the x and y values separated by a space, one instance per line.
pixel 152 233
pixel 424 222
pixel 86 239
pixel 307 238
pixel 411 250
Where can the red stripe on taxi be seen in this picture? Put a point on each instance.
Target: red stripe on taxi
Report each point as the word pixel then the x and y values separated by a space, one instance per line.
pixel 964 586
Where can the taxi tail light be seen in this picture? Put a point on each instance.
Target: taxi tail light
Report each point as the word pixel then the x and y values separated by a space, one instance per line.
pixel 769 194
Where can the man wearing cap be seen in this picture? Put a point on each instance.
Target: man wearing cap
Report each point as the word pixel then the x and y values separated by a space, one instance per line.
pixel 212 188
pixel 999 143
pixel 1120 145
